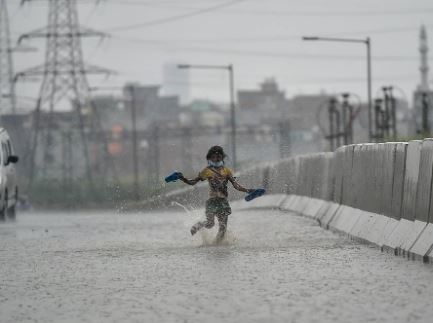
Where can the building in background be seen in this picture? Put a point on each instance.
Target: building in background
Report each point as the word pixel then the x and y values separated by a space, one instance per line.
pixel 266 105
pixel 175 82
pixel 289 120
pixel 203 113
pixel 304 118
pixel 150 107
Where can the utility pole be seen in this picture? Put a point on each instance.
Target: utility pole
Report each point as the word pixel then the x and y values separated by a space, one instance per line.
pixel 64 75
pixel 331 116
pixel 348 118
pixel 392 106
pixel 153 159
pixel 369 85
pixel 284 139
pixel 156 156
pixel 386 115
pixel 334 124
pixel 386 110
pixel 379 120
pixel 186 149
pixel 341 116
pixel 233 115
pixel 133 106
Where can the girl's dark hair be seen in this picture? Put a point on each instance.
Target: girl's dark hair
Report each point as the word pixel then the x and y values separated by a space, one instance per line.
pixel 215 150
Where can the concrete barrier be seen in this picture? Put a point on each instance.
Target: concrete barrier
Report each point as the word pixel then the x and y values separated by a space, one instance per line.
pixel 357 179
pixel 398 236
pixel 279 177
pixel 293 184
pixel 378 180
pixel 288 201
pixel 327 184
pixel 328 215
pixel 382 228
pixel 338 175
pixel 424 243
pixel 387 176
pixel 368 190
pixel 411 179
pixel 346 189
pixel 415 230
pixel 345 219
pixel 423 193
pixel 364 225
pixel 316 173
pixel 361 175
pixel 313 206
pixel 322 211
pixel 296 204
pixel 304 178
pixel 322 176
pixel 429 257
pixel 398 180
pixel 287 204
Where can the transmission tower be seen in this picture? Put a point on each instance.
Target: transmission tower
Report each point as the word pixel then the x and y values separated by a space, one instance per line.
pixel 7 88
pixel 64 83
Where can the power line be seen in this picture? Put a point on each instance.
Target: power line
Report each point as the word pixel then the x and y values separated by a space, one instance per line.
pixel 274 54
pixel 175 17
pixel 167 4
pixel 264 39
pixel 270 38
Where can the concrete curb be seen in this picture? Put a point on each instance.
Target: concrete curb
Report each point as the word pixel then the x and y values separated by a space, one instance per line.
pixel 413 239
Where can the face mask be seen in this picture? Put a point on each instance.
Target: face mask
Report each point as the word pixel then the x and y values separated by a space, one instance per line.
pixel 215 164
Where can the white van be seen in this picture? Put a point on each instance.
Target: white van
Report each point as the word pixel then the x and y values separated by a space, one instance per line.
pixel 8 178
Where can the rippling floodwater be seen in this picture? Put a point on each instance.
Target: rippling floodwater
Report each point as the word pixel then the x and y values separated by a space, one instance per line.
pixel 275 267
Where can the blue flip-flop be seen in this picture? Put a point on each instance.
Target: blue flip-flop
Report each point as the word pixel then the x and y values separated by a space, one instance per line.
pixel 173 177
pixel 255 194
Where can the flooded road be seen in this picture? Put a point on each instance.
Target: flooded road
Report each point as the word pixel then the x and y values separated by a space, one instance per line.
pixel 274 267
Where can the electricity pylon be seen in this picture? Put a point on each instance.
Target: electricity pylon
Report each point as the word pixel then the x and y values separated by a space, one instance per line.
pixel 64 82
pixel 7 88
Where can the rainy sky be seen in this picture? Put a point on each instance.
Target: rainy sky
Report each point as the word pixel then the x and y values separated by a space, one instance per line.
pixel 261 38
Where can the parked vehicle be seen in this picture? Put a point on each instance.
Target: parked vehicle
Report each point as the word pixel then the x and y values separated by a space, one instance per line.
pixel 8 178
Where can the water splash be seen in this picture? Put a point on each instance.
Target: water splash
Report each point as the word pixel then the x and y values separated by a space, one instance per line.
pixel 208 236
pixel 188 211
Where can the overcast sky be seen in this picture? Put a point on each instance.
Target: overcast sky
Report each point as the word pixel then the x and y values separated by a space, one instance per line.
pixel 261 38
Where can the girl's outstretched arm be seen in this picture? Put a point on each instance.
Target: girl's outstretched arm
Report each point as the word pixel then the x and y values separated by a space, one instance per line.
pixel 190 181
pixel 238 186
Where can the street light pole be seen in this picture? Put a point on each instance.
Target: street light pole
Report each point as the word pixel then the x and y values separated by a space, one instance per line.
pixel 233 114
pixel 370 102
pixel 230 69
pixel 367 42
